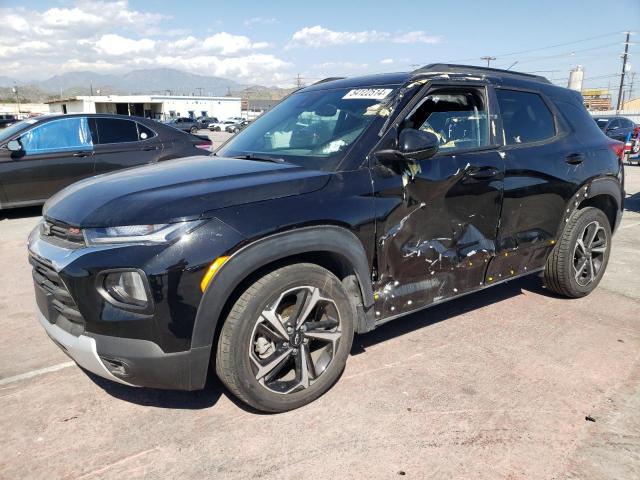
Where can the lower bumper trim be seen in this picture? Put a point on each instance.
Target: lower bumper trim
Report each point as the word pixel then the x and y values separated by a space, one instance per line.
pixel 82 349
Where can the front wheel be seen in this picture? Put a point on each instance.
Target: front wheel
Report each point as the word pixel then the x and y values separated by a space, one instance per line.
pixel 287 338
pixel 193 129
pixel 578 260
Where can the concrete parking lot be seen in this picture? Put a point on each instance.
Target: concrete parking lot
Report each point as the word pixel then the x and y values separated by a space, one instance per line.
pixel 494 385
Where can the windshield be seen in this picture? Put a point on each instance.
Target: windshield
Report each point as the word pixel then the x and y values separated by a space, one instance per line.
pixel 602 122
pixel 312 129
pixel 7 133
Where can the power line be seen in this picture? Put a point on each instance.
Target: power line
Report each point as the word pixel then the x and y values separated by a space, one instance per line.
pixel 547 47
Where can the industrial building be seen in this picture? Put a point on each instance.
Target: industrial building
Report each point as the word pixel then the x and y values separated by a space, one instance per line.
pixel 159 107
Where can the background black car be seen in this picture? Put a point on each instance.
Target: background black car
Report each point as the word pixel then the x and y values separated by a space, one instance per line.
pixel 615 127
pixel 6 120
pixel 204 122
pixel 185 124
pixel 40 156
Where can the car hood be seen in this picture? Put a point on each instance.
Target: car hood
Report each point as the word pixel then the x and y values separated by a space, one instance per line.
pixel 175 190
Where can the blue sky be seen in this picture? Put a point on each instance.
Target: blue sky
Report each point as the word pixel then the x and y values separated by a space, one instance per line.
pixel 271 42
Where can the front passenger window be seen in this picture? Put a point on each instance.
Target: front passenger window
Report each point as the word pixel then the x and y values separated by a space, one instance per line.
pixel 525 117
pixel 457 117
pixel 58 136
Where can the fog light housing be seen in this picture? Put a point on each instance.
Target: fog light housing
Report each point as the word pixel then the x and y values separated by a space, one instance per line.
pixel 125 288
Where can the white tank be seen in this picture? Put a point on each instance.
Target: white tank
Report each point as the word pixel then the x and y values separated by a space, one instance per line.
pixel 576 76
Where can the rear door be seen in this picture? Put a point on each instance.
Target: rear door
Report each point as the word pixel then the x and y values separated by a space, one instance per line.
pixel 544 166
pixel 122 143
pixel 437 220
pixel 55 154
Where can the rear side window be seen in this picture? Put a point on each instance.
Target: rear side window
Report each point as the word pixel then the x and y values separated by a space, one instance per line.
pixel 113 130
pixel 525 117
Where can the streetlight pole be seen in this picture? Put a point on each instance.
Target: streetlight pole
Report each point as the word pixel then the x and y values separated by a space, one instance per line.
pixel 488 59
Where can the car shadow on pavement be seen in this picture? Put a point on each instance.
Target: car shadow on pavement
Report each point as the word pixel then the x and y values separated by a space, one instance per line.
pixel 444 311
pixel 153 397
pixel 632 203
pixel 25 212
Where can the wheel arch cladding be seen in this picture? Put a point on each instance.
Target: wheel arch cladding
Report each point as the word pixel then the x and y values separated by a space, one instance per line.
pixel 604 193
pixel 334 248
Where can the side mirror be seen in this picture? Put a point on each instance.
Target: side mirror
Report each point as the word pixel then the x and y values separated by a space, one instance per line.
pixel 412 145
pixel 14 146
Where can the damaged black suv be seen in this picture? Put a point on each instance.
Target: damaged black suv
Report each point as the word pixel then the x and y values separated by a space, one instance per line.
pixel 350 203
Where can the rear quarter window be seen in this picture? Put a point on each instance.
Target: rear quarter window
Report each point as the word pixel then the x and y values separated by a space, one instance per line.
pixel 579 118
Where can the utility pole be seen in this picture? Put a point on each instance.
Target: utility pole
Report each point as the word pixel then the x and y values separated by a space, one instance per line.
pixel 91 89
pixel 624 67
pixel 299 83
pixel 488 59
pixel 199 91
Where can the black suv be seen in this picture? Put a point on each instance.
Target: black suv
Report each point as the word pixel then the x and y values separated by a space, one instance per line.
pixel 351 203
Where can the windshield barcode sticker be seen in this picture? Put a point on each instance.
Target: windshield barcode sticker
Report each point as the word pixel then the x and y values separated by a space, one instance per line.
pixel 367 93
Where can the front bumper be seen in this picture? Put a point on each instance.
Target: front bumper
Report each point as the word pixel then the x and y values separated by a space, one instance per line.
pixel 148 349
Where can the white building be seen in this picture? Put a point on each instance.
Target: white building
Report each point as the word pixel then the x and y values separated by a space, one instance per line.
pixel 159 107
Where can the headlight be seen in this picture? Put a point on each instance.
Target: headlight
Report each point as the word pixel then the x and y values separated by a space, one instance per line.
pixel 153 234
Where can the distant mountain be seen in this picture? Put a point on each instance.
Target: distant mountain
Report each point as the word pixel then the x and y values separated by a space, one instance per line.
pixel 258 92
pixel 156 80
pixel 144 82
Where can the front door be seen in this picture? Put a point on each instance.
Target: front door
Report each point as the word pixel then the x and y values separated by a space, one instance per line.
pixel 437 220
pixel 54 154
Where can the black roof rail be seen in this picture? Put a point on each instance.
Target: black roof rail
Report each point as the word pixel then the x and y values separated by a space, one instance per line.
pixel 328 79
pixel 453 68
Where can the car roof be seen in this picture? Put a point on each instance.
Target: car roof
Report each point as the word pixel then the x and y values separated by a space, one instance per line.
pixel 91 115
pixel 436 70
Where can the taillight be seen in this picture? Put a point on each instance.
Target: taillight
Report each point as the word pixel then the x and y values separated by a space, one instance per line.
pixel 617 147
pixel 204 146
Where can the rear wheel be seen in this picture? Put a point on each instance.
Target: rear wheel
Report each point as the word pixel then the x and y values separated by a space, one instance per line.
pixel 578 261
pixel 193 129
pixel 286 339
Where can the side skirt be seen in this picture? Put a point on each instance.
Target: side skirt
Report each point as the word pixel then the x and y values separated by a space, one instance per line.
pixel 382 321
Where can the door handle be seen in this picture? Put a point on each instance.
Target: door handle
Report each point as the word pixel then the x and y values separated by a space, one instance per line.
pixel 574 158
pixel 82 154
pixel 149 148
pixel 482 172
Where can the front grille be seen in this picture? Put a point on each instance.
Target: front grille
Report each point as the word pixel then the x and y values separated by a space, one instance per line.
pixel 57 233
pixel 47 279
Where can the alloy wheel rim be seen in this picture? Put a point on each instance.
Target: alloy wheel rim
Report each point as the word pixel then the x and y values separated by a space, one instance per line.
pixel 294 340
pixel 588 253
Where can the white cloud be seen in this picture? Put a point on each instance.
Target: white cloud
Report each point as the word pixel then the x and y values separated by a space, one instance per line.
pixel 112 44
pixel 113 37
pixel 386 61
pixel 319 36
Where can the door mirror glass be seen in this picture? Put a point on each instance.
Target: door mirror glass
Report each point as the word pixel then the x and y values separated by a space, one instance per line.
pixel 14 146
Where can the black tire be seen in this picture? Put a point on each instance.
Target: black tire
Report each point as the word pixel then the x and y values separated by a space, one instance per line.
pixel 193 129
pixel 237 356
pixel 573 270
pixel 217 129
